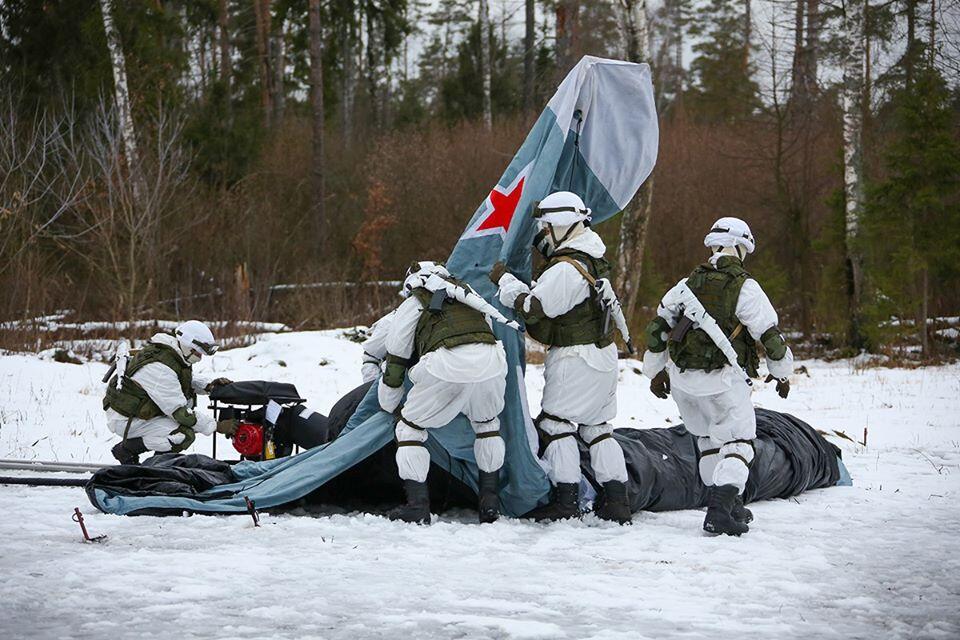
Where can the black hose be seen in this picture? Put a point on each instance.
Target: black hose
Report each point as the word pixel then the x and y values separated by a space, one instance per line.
pixel 45 482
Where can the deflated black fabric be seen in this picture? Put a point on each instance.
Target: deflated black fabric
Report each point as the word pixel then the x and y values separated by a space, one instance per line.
pixel 791 457
pixel 167 474
pixel 255 392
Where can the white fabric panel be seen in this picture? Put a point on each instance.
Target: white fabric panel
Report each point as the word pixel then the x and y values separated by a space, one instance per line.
pixel 433 402
pixel 413 462
pixel 606 457
pixel 389 397
pixel 733 470
pixel 376 344
pixel 162 385
pixel 509 289
pixel 562 457
pixel 489 452
pixel 707 463
pixel 403 328
pixel 155 432
pixel 467 363
pixel 654 363
pixel 724 416
pixel 618 96
pixel 576 388
pixel 370 372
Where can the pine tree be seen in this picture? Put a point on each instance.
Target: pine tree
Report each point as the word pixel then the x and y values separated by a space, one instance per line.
pixel 913 215
pixel 724 86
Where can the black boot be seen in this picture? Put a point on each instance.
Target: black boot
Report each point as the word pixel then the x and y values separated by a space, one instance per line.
pixel 128 451
pixel 417 508
pixel 613 503
pixel 489 507
pixel 719 519
pixel 565 504
pixel 739 512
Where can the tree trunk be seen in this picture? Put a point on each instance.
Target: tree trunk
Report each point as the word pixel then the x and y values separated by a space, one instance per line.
pixel 226 64
pixel 278 58
pixel 812 45
pixel 316 101
pixel 635 217
pixel 567 24
pixel 529 55
pixel 261 11
pixel 349 79
pixel 853 110
pixel 485 64
pixel 122 97
pixel 924 310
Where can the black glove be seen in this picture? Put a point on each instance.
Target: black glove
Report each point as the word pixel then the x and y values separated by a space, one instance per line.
pixel 499 268
pixel 219 382
pixel 227 427
pixel 783 385
pixel 660 385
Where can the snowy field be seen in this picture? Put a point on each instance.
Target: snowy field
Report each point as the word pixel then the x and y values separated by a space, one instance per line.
pixel 880 559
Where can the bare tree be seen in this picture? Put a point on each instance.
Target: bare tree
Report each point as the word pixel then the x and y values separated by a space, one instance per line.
pixel 567 15
pixel 261 12
pixel 854 12
pixel 485 63
pixel 529 54
pixel 121 93
pixel 226 64
pixel 278 62
pixel 316 102
pixel 633 222
pixel 348 38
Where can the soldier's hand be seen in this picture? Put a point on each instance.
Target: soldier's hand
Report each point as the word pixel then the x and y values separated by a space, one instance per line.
pixel 660 385
pixel 219 382
pixel 499 268
pixel 783 385
pixel 227 427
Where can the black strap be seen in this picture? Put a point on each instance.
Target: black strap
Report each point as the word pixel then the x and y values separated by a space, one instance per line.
pixel 489 434
pixel 600 438
pixel 409 443
pixel 738 457
pixel 546 439
pixel 709 452
pixel 412 425
pixel 548 416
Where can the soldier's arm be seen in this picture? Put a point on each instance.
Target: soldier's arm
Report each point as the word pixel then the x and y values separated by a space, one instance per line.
pixel 757 315
pixel 558 290
pixel 656 356
pixel 162 385
pixel 399 341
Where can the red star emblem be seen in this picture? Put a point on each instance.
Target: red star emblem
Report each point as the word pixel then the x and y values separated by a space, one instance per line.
pixel 504 206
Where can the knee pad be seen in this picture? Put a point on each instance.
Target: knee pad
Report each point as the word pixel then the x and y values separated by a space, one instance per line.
pixel 594 434
pixel 409 435
pixel 189 435
pixel 708 458
pixel 551 429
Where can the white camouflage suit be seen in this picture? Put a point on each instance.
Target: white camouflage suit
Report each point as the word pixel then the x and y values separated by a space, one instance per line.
pixel 375 348
pixel 715 405
pixel 580 381
pixel 162 385
pixel 468 379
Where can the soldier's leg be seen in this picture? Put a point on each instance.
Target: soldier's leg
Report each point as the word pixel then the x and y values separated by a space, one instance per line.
pixel 486 403
pixel 736 428
pixel 413 459
pixel 159 434
pixel 695 421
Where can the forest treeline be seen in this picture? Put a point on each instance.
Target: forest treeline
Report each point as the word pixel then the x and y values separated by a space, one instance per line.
pixel 257 159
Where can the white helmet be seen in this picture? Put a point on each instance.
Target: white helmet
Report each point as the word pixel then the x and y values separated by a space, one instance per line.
pixel 196 340
pixel 418 274
pixel 562 208
pixel 560 216
pixel 730 232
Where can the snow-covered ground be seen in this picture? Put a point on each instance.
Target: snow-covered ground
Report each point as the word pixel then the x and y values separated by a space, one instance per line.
pixel 880 559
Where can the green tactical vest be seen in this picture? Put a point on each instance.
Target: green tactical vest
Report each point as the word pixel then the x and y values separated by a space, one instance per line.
pixel 718 288
pixel 130 400
pixel 584 323
pixel 453 325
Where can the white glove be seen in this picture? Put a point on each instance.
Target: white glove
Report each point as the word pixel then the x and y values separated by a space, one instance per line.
pixel 389 397
pixel 510 289
pixel 370 371
pixel 206 425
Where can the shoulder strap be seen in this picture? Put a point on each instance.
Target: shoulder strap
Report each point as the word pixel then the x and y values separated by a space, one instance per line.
pixel 576 264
